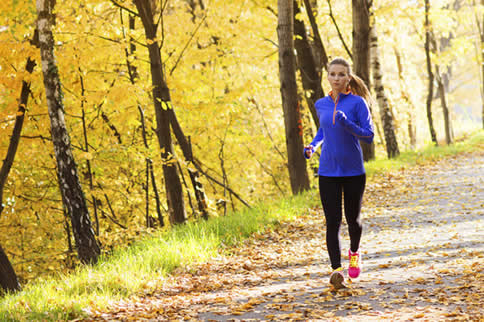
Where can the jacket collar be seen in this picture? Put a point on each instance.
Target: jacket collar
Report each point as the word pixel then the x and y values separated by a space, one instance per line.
pixel 344 93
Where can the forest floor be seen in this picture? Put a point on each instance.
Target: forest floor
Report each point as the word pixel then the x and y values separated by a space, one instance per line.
pixel 423 257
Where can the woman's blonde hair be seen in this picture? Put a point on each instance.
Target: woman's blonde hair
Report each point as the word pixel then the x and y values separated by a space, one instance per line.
pixel 356 85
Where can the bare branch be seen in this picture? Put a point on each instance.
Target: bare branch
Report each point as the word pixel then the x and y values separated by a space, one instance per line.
pixel 124 8
pixel 186 45
pixel 337 29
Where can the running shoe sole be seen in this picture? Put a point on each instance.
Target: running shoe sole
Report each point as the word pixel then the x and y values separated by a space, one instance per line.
pixel 337 280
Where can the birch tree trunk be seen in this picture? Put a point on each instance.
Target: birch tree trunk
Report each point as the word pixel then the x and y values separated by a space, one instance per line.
pixel 385 112
pixel 69 184
pixel 162 104
pixel 445 107
pixel 296 162
pixel 430 93
pixel 361 55
pixel 412 133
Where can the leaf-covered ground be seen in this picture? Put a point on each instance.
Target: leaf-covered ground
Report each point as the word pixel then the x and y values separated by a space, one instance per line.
pixel 423 247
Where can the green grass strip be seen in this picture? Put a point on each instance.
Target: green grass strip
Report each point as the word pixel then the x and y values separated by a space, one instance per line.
pixel 136 269
pixel 431 153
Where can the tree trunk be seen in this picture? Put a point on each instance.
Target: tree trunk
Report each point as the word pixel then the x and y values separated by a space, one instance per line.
pixel 445 107
pixel 385 112
pixel 311 79
pixel 430 93
pixel 411 112
pixel 8 278
pixel 481 33
pixel 162 104
pixel 296 162
pixel 17 129
pixel 319 52
pixel 69 184
pixel 186 147
pixel 361 55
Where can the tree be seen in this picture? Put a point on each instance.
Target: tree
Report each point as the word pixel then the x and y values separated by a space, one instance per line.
pixel 184 143
pixel 319 52
pixel 162 104
pixel 480 29
pixel 412 130
pixel 443 75
pixel 361 55
pixel 8 278
pixel 430 94
pixel 481 34
pixel 67 175
pixel 385 112
pixel 307 63
pixel 445 107
pixel 294 142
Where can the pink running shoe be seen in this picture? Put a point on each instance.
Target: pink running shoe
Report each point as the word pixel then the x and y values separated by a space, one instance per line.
pixel 355 264
pixel 336 279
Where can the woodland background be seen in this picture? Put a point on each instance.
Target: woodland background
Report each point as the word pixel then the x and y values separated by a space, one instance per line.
pixel 220 59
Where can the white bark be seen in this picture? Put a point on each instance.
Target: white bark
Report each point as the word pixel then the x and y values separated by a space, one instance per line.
pixel 69 184
pixel 385 112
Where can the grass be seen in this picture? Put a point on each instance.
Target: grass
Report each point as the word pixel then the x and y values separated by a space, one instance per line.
pixel 137 269
pixel 431 153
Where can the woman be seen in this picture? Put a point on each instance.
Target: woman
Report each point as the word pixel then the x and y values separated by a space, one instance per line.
pixel 344 119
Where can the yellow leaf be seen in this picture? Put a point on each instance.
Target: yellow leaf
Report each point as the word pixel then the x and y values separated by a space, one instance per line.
pixel 86 156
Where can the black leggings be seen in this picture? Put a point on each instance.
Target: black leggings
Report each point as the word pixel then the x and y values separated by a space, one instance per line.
pixel 331 190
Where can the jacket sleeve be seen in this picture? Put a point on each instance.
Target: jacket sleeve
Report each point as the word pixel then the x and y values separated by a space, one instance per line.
pixel 363 130
pixel 318 139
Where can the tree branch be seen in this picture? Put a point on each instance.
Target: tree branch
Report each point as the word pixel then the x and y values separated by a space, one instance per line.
pixel 337 29
pixel 186 45
pixel 124 8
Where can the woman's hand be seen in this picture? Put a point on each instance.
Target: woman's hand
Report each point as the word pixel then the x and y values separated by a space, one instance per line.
pixel 365 134
pixel 341 117
pixel 308 151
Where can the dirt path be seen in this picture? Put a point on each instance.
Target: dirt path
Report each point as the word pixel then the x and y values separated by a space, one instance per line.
pixel 423 247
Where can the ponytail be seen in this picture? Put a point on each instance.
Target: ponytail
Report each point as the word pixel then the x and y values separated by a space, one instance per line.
pixel 358 87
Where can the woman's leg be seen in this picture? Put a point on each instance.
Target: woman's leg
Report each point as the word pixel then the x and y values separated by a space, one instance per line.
pixel 330 190
pixel 353 189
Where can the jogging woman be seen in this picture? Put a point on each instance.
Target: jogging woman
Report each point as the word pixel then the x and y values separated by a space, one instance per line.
pixel 344 119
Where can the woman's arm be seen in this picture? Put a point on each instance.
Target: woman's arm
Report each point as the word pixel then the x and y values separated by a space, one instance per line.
pixel 364 131
pixel 318 139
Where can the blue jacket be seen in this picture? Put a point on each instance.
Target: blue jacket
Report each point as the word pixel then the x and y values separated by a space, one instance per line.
pixel 342 124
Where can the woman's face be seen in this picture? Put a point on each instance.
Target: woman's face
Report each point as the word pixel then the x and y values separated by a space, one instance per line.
pixel 338 77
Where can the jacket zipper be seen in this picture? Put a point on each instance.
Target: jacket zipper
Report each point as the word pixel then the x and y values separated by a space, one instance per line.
pixel 335 105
